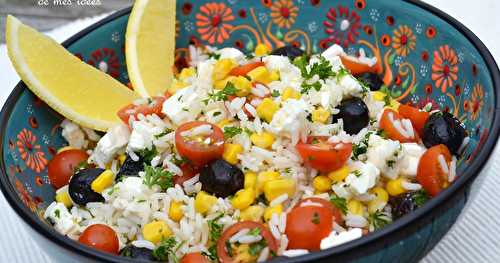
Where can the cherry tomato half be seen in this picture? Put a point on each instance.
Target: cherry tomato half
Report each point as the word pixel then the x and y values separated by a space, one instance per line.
pixel 357 68
pixel 201 149
pixel 322 155
pixel 264 232
pixel 188 172
pixel 337 214
pixel 195 257
pixel 154 107
pixel 429 172
pixel 389 119
pixel 63 165
pixel 100 237
pixel 416 116
pixel 244 69
pixel 306 226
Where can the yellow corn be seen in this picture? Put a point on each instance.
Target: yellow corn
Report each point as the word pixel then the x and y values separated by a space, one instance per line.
pixel 261 50
pixel 103 181
pixel 242 254
pixel 269 211
pixel 322 183
pixel 289 93
pixel 250 180
pixel 394 187
pixel 355 207
pixel 243 198
pixel 252 213
pixel 381 96
pixel 175 211
pixel 121 158
pixel 203 202
pixel 380 193
pixel 339 175
pixel 260 74
pixel 62 196
pixel 176 86
pixel 65 148
pixel 231 152
pixel 220 84
pixel 223 123
pixel 155 231
pixel 277 187
pixel 243 85
pixel 380 200
pixel 187 73
pixel 262 140
pixel 320 115
pixel 266 109
pixel 222 68
pixel 264 177
pixel 274 75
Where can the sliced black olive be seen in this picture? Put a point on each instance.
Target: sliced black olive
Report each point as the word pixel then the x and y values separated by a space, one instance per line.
pixel 137 253
pixel 444 128
pixel 373 80
pixel 354 115
pixel 130 167
pixel 289 51
pixel 80 189
pixel 221 178
pixel 407 202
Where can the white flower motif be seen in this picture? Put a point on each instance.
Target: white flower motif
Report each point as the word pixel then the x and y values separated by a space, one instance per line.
pixel 414 99
pixel 232 2
pixel 374 14
pixel 263 17
pixel 14 156
pixel 29 108
pixel 461 56
pixel 398 61
pixel 467 89
pixel 424 70
pixel 46 179
pixel 351 51
pixel 188 25
pixel 418 28
pixel 45 139
pixel 115 37
pixel 312 27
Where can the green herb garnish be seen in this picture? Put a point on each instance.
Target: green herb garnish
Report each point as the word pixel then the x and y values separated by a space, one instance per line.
pixel 158 176
pixel 148 154
pixel 223 94
pixel 255 248
pixel 340 203
pixel 420 197
pixel 213 55
pixel 230 131
pixel 165 250
pixel 57 213
pixel 254 232
pixel 379 220
pixel 275 93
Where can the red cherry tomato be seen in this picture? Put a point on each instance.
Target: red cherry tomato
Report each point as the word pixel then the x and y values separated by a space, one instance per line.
pixel 389 119
pixel 306 226
pixel 357 68
pixel 195 149
pixel 100 237
pixel 195 257
pixel 322 155
pixel 244 69
pixel 429 172
pixel 416 116
pixel 337 214
pixel 63 165
pixel 264 232
pixel 188 172
pixel 154 107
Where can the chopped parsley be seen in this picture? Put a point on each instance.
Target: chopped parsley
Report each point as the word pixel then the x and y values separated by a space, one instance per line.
pixel 382 133
pixel 255 248
pixel 387 100
pixel 166 250
pixel 213 55
pixel 390 163
pixel 340 203
pixel 215 231
pixel 287 170
pixel 223 94
pixel 217 113
pixel 113 189
pixel 167 131
pixel 158 176
pixel 420 197
pixel 315 218
pixel 379 220
pixel 361 147
pixel 229 248
pixel 179 162
pixel 307 87
pixel 275 93
pixel 230 131
pixel 148 154
pixel 57 213
pixel 248 131
pixel 254 232
pixel 357 173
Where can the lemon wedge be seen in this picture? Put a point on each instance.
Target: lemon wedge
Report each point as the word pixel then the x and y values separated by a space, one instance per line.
pixel 76 90
pixel 150 46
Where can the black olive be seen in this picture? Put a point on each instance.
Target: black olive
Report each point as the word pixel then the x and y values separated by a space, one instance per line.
pixel 79 186
pixel 354 115
pixel 137 253
pixel 444 128
pixel 373 80
pixel 130 167
pixel 407 202
pixel 289 51
pixel 221 178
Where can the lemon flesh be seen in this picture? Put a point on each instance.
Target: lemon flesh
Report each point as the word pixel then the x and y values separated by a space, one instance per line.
pixel 76 90
pixel 150 46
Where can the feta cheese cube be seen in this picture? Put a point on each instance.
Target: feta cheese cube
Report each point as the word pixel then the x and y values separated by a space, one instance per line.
pixel 113 141
pixel 183 106
pixel 361 180
pixel 73 134
pixel 64 222
pixel 231 53
pixel 411 156
pixel 385 155
pixel 290 120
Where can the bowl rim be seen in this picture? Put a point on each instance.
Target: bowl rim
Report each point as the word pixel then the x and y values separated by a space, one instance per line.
pixel 470 172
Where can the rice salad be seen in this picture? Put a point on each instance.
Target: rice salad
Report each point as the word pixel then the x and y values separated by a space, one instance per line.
pixel 249 157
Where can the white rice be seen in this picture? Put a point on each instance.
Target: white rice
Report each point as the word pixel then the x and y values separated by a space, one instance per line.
pixel 239 234
pixel 453 169
pixel 295 252
pixel 410 186
pixel 248 239
pixel 204 130
pixel 251 109
pixel 264 255
pixel 442 164
pixel 278 200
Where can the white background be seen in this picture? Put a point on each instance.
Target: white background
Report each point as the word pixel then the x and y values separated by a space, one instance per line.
pixel 474 238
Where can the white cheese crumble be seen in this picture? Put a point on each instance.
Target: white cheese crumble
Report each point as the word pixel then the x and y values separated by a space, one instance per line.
pixel 183 106
pixel 73 134
pixel 364 178
pixel 385 155
pixel 110 144
pixel 63 221
pixel 290 120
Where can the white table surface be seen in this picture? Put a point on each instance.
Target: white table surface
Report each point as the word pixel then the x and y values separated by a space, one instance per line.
pixel 474 238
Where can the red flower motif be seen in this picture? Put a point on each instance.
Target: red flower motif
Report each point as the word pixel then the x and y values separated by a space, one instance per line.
pixel 105 60
pixel 476 101
pixel 445 68
pixel 31 152
pixel 212 22
pixel 25 196
pixel 342 26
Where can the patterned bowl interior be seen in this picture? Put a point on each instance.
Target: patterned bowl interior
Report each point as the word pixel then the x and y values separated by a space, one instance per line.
pixel 424 59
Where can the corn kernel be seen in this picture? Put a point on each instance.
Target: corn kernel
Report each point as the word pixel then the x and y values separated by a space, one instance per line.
pixel 266 109
pixel 155 231
pixel 250 180
pixel 289 93
pixel 262 140
pixel 355 207
pixel 222 68
pixel 243 198
pixel 381 96
pixel 187 73
pixel 260 74
pixel 231 152
pixel 264 177
pixel 277 187
pixel 62 196
pixel 223 123
pixel 394 187
pixel 243 85
pixel 65 148
pixel 339 175
pixel 242 254
pixel 322 183
pixel 175 211
pixel 376 205
pixel 121 158
pixel 261 50
pixel 221 84
pixel 274 75
pixel 269 211
pixel 176 86
pixel 103 181
pixel 203 202
pixel 380 193
pixel 252 213
pixel 320 115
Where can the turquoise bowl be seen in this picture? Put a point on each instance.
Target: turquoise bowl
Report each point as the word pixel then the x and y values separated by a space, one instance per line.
pixel 426 57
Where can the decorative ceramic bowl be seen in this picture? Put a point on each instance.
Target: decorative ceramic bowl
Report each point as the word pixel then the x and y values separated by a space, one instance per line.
pixel 426 56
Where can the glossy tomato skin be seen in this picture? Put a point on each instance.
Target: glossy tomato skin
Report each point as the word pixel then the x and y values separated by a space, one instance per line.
pixel 324 157
pixel 195 257
pixel 63 166
pixel 199 153
pixel 429 172
pixel 357 68
pixel 306 226
pixel 388 127
pixel 337 214
pixel 244 69
pixel 100 237
pixel 417 117
pixel 154 107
